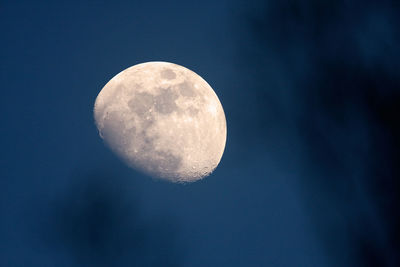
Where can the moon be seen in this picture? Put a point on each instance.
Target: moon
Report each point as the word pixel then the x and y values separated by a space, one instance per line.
pixel 164 120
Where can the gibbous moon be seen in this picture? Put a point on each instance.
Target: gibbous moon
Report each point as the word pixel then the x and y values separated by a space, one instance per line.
pixel 163 120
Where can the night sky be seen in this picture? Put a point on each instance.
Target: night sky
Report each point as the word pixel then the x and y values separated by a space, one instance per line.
pixel 310 173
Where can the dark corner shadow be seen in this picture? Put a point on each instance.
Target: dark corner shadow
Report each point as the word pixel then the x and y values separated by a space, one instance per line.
pixel 337 65
pixel 98 222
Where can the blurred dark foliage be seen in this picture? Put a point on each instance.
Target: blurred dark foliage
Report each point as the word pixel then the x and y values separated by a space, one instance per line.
pixel 98 224
pixel 328 80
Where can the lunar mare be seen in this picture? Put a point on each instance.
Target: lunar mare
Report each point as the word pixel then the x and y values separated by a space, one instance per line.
pixel 164 120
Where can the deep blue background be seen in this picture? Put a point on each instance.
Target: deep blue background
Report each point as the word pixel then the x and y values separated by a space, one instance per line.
pixel 311 92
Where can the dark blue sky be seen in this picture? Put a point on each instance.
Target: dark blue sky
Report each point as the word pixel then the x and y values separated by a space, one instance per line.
pixel 310 172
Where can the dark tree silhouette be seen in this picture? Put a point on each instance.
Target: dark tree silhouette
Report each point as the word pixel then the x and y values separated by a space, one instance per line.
pixel 328 79
pixel 98 224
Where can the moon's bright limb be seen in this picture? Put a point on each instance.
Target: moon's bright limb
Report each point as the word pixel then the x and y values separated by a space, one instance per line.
pixel 164 120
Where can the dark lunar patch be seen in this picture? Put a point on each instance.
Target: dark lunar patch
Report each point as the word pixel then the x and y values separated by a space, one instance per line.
pixel 193 111
pixel 142 103
pixel 187 89
pixel 168 74
pixel 165 101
